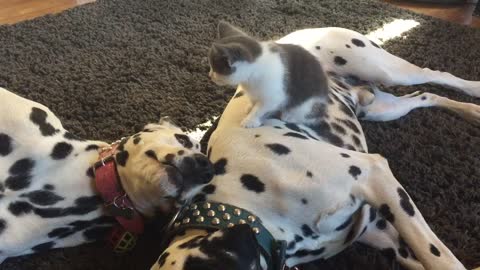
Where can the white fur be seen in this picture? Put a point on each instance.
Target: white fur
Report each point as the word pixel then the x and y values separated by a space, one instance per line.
pixel 328 191
pixel 144 179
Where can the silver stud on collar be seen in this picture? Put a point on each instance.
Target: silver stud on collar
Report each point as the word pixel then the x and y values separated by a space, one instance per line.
pixel 256 230
pixel 193 206
pixel 242 221
pixel 186 220
pixel 215 221
pixel 230 225
pixel 251 219
pixel 211 213
pixel 226 216
pixel 176 224
pixel 237 212
pixel 200 219
pixel 207 205
pixel 196 213
pixel 221 208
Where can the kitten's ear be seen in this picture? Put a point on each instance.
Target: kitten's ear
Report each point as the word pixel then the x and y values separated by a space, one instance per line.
pixel 227 30
pixel 226 52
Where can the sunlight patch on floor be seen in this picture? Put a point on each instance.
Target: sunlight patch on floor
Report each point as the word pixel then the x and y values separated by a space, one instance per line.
pixel 392 30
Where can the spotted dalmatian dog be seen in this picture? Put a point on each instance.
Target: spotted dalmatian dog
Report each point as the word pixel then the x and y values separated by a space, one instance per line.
pixel 47 195
pixel 317 187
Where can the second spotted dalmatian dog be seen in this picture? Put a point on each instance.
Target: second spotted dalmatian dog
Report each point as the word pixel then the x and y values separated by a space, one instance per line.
pixel 314 187
pixel 48 198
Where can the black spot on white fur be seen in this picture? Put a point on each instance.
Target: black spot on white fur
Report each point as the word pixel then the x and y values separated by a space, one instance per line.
pixel 91 147
pixel 381 224
pixel 209 189
pixel 43 247
pixel 42 197
pixel 339 61
pixel 354 171
pixel 184 140
pixel 384 210
pixel 374 44
pixel 136 140
pixel 434 250
pixel 18 182
pixel 306 230
pixel 22 167
pixel 6 146
pixel 358 42
pixel 373 214
pixel 219 166
pixel 122 157
pixel 405 202
pixel 20 177
pixel 309 174
pixel 20 208
pixel 39 118
pixel 345 155
pixel 295 135
pixel 345 224
pixel 3 225
pixel 82 206
pixel 278 149
pixel 163 259
pixel 252 183
pixel 61 232
pixel 61 150
pixel 90 172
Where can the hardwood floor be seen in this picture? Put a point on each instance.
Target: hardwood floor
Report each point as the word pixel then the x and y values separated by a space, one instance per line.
pixel 458 13
pixel 12 11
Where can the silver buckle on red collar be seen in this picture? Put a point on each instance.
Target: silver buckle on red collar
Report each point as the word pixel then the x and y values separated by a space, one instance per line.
pixel 119 208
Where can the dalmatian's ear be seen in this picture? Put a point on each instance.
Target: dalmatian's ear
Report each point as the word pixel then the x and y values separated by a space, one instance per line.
pixel 240 241
pixel 227 30
pixel 164 123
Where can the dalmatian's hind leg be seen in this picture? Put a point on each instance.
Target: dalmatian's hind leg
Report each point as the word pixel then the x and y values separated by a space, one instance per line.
pixel 380 234
pixel 400 72
pixel 386 107
pixel 379 187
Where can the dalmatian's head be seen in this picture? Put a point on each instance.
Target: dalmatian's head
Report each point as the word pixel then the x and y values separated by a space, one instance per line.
pixel 161 165
pixel 232 56
pixel 232 248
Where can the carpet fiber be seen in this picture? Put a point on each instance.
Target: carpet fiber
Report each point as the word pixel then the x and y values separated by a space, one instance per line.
pixel 109 67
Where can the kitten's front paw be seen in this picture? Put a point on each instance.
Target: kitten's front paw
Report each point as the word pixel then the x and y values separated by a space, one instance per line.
pixel 251 123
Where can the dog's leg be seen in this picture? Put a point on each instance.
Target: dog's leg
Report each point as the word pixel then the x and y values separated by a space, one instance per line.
pixel 386 107
pixel 380 234
pixel 397 71
pixel 379 187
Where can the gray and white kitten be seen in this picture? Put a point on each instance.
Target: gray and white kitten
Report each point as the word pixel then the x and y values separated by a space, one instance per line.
pixel 278 78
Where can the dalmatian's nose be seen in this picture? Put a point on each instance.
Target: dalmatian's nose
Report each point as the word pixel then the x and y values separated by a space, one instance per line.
pixel 197 169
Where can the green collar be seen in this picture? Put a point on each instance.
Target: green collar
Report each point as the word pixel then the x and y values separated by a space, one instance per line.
pixel 221 216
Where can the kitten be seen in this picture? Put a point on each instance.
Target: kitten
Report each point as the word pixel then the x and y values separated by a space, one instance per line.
pixel 278 78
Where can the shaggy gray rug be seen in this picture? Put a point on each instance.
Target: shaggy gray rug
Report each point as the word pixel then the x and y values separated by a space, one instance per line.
pixel 108 67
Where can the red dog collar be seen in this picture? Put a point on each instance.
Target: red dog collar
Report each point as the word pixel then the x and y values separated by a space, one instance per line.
pixel 117 202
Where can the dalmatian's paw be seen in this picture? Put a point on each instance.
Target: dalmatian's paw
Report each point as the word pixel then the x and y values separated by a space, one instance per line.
pixel 251 122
